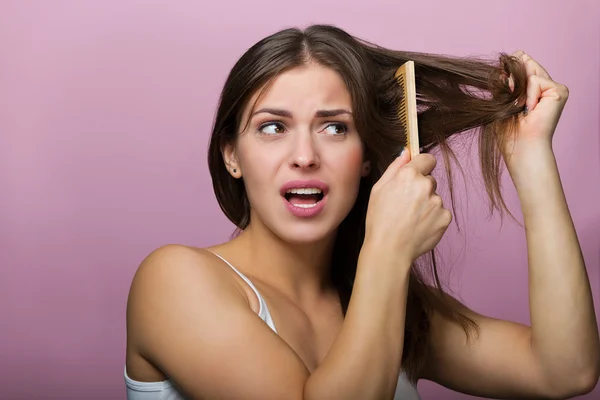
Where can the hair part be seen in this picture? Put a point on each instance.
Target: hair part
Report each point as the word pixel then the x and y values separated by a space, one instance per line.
pixel 454 95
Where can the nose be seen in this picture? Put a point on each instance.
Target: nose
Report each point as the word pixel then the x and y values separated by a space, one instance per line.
pixel 304 154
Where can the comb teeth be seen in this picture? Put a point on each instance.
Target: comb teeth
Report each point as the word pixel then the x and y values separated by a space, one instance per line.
pixel 407 107
pixel 402 117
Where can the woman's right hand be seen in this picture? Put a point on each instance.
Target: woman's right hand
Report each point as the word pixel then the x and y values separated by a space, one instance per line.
pixel 405 216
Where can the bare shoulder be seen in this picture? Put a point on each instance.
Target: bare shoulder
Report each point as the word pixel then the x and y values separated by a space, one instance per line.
pixel 167 277
pixel 174 278
pixel 176 264
pixel 178 258
pixel 189 317
pixel 172 269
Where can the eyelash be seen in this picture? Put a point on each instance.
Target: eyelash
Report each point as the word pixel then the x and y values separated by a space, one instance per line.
pixel 280 125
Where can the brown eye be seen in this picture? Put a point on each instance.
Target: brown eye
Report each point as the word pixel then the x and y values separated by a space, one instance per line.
pixel 336 129
pixel 272 128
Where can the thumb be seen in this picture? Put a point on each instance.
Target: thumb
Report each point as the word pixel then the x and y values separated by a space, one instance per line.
pixel 400 161
pixel 404 157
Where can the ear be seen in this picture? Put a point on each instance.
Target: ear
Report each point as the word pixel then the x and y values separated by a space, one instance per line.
pixel 231 160
pixel 366 168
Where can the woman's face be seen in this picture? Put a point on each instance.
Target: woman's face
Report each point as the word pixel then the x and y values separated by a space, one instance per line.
pixel 300 155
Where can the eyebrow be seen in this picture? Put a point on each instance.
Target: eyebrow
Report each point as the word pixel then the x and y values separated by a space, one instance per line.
pixel 287 114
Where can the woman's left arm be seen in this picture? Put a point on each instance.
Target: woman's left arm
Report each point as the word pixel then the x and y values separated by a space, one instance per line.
pixel 559 355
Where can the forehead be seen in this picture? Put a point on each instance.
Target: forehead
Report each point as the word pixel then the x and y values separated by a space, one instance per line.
pixel 306 87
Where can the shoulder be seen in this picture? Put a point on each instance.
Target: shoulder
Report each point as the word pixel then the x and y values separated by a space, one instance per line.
pixel 174 278
pixel 174 265
pixel 189 319
pixel 176 256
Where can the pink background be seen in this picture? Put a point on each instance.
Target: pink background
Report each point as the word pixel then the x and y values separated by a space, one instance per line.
pixel 105 114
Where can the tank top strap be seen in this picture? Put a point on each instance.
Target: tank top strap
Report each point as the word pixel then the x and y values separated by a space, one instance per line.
pixel 263 311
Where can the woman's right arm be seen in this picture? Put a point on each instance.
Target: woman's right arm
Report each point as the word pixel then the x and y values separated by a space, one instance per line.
pixel 405 220
pixel 195 324
pixel 365 359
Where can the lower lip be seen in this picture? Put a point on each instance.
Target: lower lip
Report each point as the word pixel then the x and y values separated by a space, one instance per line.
pixel 305 212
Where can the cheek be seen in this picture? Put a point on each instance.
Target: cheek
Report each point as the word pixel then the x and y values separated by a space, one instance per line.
pixel 351 163
pixel 258 168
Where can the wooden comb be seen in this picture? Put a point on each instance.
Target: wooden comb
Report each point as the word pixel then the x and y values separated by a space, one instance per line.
pixel 407 109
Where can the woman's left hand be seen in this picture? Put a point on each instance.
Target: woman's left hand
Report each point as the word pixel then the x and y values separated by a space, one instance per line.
pixel 544 104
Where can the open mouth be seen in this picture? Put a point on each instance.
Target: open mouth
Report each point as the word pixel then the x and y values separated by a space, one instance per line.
pixel 304 197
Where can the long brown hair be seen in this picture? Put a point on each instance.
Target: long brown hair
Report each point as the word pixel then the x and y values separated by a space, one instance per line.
pixel 454 95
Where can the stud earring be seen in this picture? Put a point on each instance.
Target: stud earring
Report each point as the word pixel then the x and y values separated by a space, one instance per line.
pixel 234 170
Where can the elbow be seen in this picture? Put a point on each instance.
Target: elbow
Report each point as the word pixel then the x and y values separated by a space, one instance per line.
pixel 588 380
pixel 578 384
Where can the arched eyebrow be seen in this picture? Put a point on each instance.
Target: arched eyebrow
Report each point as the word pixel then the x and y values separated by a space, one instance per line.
pixel 319 114
pixel 332 113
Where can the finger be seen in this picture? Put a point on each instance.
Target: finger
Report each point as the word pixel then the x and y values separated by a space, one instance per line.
pixel 531 65
pixel 424 163
pixel 433 183
pixel 539 86
pixel 511 83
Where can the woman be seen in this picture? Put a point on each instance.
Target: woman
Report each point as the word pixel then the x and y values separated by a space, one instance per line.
pixel 319 295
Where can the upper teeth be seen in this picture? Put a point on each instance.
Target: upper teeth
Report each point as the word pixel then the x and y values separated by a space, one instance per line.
pixel 305 191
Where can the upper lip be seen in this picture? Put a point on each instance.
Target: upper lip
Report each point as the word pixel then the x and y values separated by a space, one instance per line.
pixel 298 184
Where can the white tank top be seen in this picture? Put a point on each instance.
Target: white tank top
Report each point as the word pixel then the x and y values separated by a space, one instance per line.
pixel 165 390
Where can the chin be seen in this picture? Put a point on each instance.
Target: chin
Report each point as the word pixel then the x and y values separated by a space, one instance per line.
pixel 305 238
pixel 305 232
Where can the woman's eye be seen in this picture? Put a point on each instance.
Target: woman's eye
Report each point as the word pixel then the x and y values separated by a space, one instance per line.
pixel 336 129
pixel 271 128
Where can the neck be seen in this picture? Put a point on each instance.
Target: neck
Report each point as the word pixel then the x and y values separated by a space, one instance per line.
pixel 298 270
